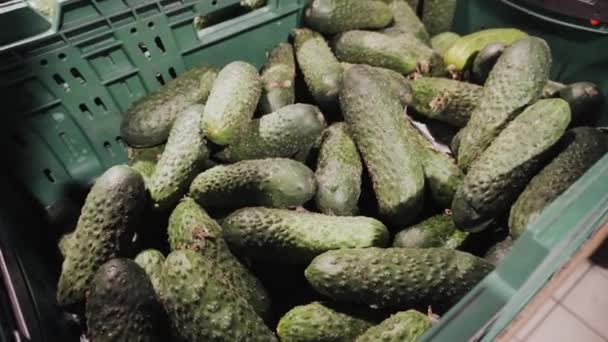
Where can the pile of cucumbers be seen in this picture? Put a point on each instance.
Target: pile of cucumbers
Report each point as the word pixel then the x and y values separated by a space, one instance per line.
pixel 372 173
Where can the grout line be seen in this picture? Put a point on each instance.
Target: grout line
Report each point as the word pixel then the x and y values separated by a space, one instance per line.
pixel 581 320
pixel 542 320
pixel 576 282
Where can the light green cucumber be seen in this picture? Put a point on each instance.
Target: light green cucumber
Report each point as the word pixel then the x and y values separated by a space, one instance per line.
pixel 335 16
pixel 151 260
pixel 404 326
pixel 443 41
pixel 438 15
pixel 278 78
pixel 436 231
pixel 144 160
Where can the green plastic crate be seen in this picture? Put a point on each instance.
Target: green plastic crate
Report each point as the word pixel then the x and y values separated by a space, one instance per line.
pixel 66 79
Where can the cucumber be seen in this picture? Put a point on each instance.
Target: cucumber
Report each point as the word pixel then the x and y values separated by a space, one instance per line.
pixel 500 174
pixel 436 231
pixel 460 55
pixel 149 120
pixel 394 80
pixel 400 53
pixel 445 100
pixel 318 321
pixel 231 103
pixel 397 278
pixel 321 70
pixel 516 80
pixel 105 229
pixel 296 237
pixel 273 182
pixel 438 15
pixel 406 21
pixel 190 227
pixel 253 4
pixel 552 88
pixel 282 134
pixel 443 41
pixel 335 16
pixel 144 160
pixel 181 160
pixel 374 119
pixel 404 326
pixel 581 147
pixel 585 99
pixel 278 78
pixel 152 261
pixel 485 61
pixel 65 243
pixel 338 174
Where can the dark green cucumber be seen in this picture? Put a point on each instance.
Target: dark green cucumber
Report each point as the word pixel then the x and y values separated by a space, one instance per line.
pixel 436 231
pixel 404 326
pixel 286 236
pixel 552 88
pixel 502 171
pixel 322 71
pixel 516 80
pixel 438 15
pixel 181 160
pixel 122 305
pixel 281 134
pixel 335 16
pixel 151 260
pixel 485 61
pixel 278 78
pixel 394 80
pixel 400 53
pixel 397 278
pixel 104 231
pixel 144 160
pixel 406 21
pixel 148 121
pixel 274 182
pixel 445 100
pixel 338 173
pixel 443 41
pixel 204 306
pixel 585 99
pixel 232 102
pixel 190 227
pixel 580 148
pixel 318 321
pixel 375 117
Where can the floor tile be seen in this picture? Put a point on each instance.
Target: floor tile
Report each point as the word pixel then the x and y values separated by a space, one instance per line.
pixel 536 319
pixel 562 326
pixel 572 279
pixel 589 300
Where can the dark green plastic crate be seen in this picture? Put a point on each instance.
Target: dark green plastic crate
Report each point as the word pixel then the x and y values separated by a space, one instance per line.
pixel 64 90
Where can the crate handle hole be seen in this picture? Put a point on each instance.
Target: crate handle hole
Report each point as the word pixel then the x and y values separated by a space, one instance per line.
pixel 78 76
pixel 100 104
pixel 144 50
pixel 151 24
pixel 120 142
pixel 160 78
pixel 133 30
pixel 108 147
pixel 160 44
pixel 85 110
pixel 49 175
pixel 172 72
pixel 214 2
pixel 18 139
pixel 62 56
pixel 44 62
pixel 61 82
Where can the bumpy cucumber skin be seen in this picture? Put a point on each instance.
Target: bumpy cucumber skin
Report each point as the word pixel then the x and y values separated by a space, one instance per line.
pixel 104 231
pixel 394 80
pixel 148 122
pixel 398 278
pixel 445 100
pixel 373 118
pixel 505 167
pixel 151 260
pixel 231 103
pixel 338 174
pixel 144 160
pixel 318 321
pixel 286 236
pixel 458 56
pixel 65 243
pixel 485 61
pixel 321 69
pixel 122 305
pixel 443 41
pixel 204 306
pixel 516 80
pixel 406 20
pixel 273 182
pixel 278 78
pixel 404 326
pixel 404 54
pixel 190 227
pixel 253 4
pixel 282 134
pixel 581 148
pixel 335 16
pixel 436 231
pixel 181 160
pixel 438 15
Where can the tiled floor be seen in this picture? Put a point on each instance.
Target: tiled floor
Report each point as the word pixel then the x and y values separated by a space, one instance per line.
pixel 573 307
